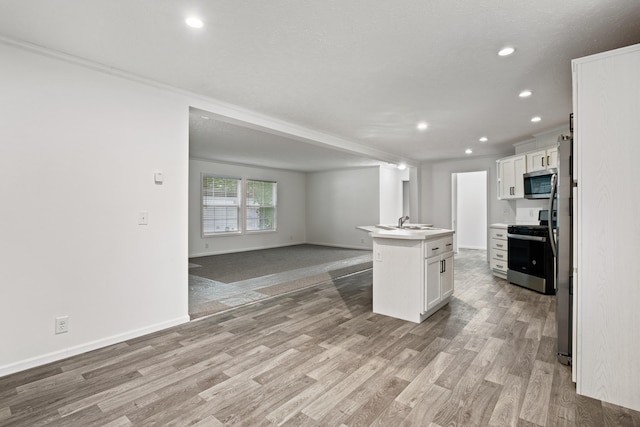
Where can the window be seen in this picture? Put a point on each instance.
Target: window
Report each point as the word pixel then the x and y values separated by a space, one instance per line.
pixel 260 205
pixel 220 205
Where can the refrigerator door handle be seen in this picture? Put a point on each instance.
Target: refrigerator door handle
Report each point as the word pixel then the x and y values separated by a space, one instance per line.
pixel 554 190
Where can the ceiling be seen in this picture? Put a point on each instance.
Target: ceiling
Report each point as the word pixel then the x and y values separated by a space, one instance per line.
pixel 363 72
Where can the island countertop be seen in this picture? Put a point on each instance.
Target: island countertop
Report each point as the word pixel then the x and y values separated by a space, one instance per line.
pixel 420 232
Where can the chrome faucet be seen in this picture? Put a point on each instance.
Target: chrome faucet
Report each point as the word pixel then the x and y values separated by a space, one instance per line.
pixel 402 220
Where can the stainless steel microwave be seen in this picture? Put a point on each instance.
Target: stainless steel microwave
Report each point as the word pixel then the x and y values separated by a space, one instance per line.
pixel 537 185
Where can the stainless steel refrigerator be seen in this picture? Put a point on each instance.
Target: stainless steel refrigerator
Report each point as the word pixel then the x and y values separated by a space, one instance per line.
pixel 561 201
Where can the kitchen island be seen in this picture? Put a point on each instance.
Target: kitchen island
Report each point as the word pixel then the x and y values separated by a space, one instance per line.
pixel 412 270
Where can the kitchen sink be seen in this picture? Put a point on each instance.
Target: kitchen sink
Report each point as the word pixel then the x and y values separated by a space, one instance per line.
pixel 407 227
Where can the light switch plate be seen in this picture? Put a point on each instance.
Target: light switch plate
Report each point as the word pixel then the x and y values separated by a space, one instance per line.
pixel 158 177
pixel 143 218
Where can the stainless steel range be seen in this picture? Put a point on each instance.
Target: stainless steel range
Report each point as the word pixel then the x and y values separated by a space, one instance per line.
pixel 531 258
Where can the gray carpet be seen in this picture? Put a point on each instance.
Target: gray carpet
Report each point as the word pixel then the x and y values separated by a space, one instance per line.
pixel 220 282
pixel 235 267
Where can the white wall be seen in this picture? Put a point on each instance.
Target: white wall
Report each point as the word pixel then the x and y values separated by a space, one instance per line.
pixel 79 149
pixel 472 210
pixel 337 202
pixel 542 140
pixel 391 193
pixel 291 213
pixel 436 190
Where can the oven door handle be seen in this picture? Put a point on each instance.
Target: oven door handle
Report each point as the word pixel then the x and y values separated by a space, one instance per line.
pixel 525 237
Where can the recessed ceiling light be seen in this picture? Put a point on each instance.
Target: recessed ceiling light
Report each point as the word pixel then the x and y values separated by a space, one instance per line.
pixel 194 22
pixel 536 119
pixel 484 139
pixel 402 166
pixel 506 51
pixel 422 126
pixel 525 93
pixel 468 151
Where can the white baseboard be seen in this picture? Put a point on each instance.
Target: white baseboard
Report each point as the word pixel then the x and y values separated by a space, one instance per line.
pixel 472 247
pixel 83 348
pixel 363 247
pixel 233 251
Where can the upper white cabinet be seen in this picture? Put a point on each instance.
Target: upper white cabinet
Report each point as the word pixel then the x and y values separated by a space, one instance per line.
pixel 542 159
pixel 511 169
pixel 510 182
pixel 552 157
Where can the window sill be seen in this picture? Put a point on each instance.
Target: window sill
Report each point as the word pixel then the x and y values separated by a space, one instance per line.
pixel 223 234
pixel 261 231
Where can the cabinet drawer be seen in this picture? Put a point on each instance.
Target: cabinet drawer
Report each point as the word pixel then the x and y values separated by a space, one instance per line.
pixel 439 246
pixel 500 255
pixel 498 265
pixel 498 244
pixel 498 233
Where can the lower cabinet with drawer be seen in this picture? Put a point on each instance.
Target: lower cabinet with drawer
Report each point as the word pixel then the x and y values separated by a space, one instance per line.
pixel 412 274
pixel 498 254
pixel 438 285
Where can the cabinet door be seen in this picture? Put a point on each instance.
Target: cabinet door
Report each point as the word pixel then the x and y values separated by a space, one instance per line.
pixel 432 283
pixel 520 168
pixel 500 176
pixel 507 175
pixel 552 158
pixel 510 170
pixel 446 277
pixel 537 161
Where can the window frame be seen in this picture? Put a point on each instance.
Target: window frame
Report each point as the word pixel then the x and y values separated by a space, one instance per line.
pixel 240 205
pixel 274 206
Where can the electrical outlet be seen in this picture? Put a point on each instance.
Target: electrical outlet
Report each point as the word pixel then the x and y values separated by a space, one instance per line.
pixel 62 324
pixel 378 255
pixel 206 246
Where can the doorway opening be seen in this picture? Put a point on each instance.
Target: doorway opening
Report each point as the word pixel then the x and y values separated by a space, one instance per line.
pixel 469 210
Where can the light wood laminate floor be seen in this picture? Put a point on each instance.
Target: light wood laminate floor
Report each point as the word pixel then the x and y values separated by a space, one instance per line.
pixel 320 357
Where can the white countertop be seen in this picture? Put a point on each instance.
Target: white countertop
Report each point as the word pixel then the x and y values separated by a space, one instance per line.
pixel 406 234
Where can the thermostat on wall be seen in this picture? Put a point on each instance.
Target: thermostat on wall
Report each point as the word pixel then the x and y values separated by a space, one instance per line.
pixel 158 177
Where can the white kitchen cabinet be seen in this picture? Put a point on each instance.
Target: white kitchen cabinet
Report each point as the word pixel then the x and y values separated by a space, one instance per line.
pixel 542 159
pixel 439 276
pixel 412 273
pixel 446 277
pixel 606 295
pixel 510 181
pixel 552 157
pixel 498 254
pixel 432 294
